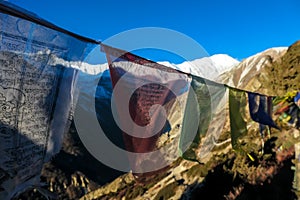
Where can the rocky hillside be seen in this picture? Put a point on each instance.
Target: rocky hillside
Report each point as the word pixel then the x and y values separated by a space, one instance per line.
pixel 288 69
pixel 252 73
pixel 272 72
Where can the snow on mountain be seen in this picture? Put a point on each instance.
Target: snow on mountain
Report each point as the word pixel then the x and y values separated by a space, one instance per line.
pixel 224 62
pixel 207 67
pixel 247 74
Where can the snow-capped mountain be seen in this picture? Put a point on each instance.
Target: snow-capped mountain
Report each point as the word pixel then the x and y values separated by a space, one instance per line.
pixel 207 67
pixel 223 62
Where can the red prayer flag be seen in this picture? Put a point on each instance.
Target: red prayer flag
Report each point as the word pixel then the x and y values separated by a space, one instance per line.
pixel 144 97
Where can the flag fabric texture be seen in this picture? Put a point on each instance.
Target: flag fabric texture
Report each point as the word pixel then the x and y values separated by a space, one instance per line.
pixel 258 107
pixel 36 95
pixel 238 125
pixel 203 102
pixel 297 99
pixel 148 100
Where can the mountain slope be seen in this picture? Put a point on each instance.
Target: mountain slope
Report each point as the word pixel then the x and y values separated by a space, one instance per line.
pixel 285 72
pixel 254 73
pixel 273 72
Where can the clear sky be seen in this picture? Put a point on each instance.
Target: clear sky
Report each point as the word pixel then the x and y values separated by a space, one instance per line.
pixel 239 28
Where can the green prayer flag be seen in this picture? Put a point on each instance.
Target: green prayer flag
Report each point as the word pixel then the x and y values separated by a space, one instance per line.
pixel 237 106
pixel 203 96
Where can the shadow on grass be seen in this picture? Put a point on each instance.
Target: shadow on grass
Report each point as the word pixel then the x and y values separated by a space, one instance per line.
pixel 219 183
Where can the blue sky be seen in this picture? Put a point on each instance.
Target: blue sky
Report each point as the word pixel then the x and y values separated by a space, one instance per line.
pixel 234 27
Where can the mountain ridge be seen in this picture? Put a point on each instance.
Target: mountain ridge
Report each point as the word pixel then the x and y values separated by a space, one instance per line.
pixel 252 73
